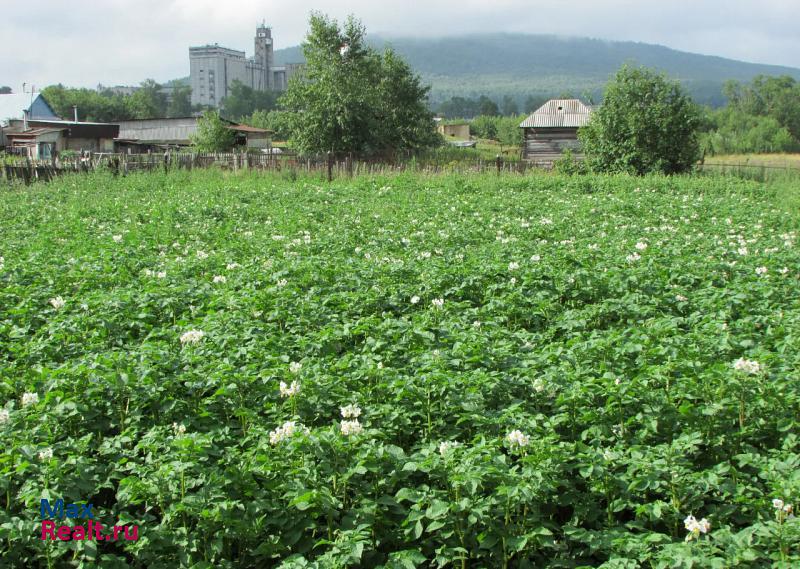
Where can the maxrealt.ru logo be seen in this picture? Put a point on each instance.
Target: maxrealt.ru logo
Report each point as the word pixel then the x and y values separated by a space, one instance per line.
pixel 91 531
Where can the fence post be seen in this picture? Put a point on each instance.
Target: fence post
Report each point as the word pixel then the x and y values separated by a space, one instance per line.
pixel 330 166
pixel 499 162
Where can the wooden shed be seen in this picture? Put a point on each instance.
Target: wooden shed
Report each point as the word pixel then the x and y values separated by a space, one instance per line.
pixel 553 128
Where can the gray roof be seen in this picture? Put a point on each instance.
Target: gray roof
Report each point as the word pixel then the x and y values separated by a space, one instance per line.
pixel 158 130
pixel 559 113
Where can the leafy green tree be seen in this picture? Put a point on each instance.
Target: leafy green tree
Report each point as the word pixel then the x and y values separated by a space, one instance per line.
pixel 647 123
pixel 487 107
pixel 484 126
pixel 181 103
pixel 147 102
pixel 510 107
pixel 350 98
pixel 92 106
pixel 279 122
pixel 213 134
pixel 244 101
pixel 5 90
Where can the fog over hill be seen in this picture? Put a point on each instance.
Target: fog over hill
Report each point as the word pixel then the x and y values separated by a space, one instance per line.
pixel 522 64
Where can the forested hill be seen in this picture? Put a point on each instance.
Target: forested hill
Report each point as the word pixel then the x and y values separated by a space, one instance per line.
pixel 520 65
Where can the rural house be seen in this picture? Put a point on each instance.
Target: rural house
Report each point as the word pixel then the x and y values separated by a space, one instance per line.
pixel 553 128
pixel 43 139
pixel 13 110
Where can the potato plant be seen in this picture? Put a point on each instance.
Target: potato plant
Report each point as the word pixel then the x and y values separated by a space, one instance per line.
pixel 398 372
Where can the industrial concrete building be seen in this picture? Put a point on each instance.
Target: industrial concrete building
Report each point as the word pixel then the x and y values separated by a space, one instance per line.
pixel 213 69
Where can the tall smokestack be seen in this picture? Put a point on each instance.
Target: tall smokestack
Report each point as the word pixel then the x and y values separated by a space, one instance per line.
pixel 75 112
pixel 25 119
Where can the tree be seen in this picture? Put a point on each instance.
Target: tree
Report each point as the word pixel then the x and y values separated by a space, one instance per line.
pixel 487 107
pixel 244 101
pixel 213 134
pixel 647 123
pixel 279 122
pixel 533 102
pixel 350 98
pixel 5 90
pixel 148 101
pixel 510 107
pixel 181 103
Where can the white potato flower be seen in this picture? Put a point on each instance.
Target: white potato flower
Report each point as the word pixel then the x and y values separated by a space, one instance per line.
pixel 57 302
pixel 45 454
pixel 219 279
pixel 29 399
pixel 518 438
pixel 295 367
pixel 350 428
pixel 750 367
pixel 289 390
pixel 350 411
pixel 192 336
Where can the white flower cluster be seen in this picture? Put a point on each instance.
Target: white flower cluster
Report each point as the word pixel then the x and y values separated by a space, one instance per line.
pixel 117 238
pixel 201 255
pixel 285 431
pixel 633 257
pixel 220 279
pixel 695 527
pixel 282 283
pixel 295 367
pixel 350 411
pixel 518 438
pixel 192 336
pixel 414 299
pixel 761 270
pixel 232 266
pixel 350 428
pixel 437 302
pixel 447 446
pixel 4 416
pixel 750 367
pixel 157 274
pixel 513 266
pixel 680 298
pixel 783 509
pixel 29 399
pixel 180 429
pixel 45 454
pixel 2 263
pixel 57 303
pixel 289 390
pixel 641 246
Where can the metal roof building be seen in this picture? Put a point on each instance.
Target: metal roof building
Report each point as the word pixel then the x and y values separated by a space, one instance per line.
pixel 553 128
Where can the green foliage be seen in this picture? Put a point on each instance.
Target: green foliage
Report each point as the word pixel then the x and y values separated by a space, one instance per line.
pixel 350 98
pixel 147 102
pixel 5 90
pixel 181 103
pixel 503 129
pixel 735 131
pixel 510 107
pixel 568 165
pixel 243 101
pixel 279 122
pixel 618 370
pixel 213 134
pixel 646 124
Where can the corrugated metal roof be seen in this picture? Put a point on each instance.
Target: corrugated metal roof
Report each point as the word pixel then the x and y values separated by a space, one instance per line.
pixel 158 130
pixel 559 113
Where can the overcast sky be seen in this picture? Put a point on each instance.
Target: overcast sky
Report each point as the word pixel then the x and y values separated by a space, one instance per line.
pixel 86 42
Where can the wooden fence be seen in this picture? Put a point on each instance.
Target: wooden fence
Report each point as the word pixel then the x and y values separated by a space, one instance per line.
pixel 327 166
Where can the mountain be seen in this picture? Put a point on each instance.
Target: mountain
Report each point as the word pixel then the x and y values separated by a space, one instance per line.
pixel 545 65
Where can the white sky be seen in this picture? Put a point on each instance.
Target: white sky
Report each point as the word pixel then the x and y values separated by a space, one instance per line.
pixel 86 42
